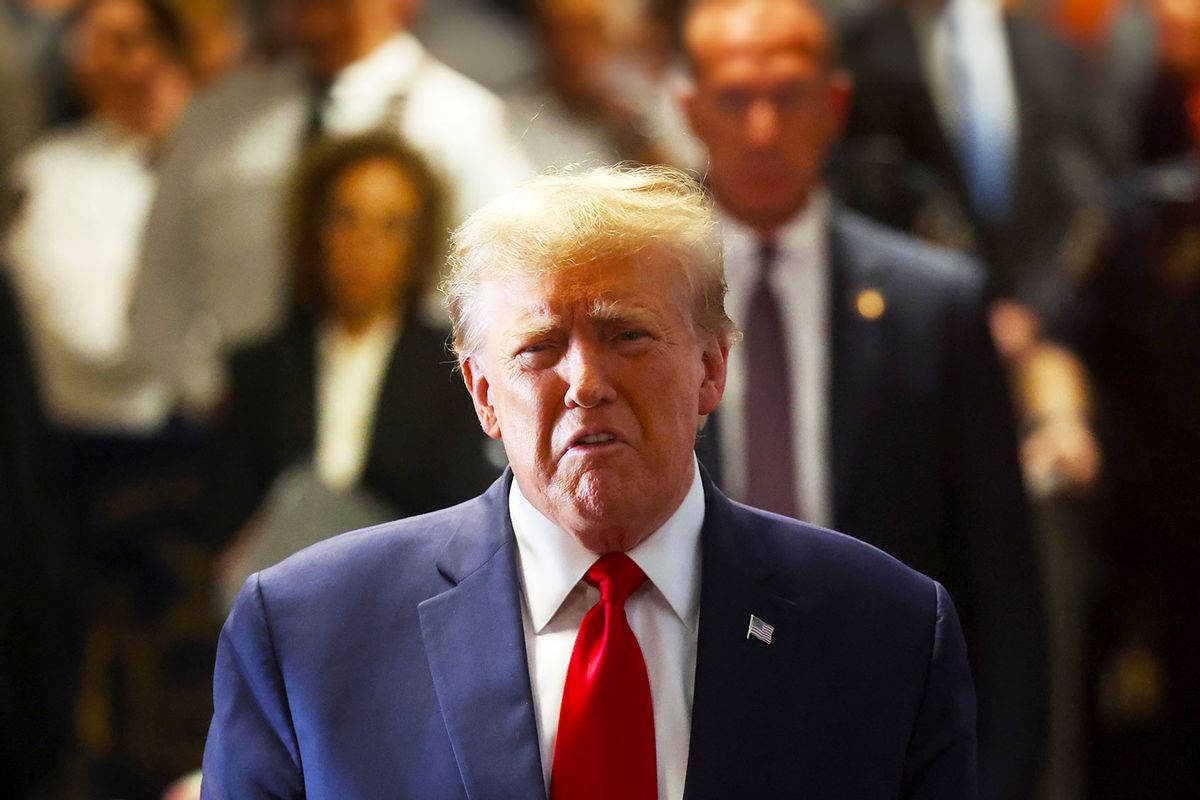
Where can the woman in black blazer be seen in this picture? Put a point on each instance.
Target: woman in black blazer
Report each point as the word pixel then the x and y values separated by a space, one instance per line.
pixel 357 385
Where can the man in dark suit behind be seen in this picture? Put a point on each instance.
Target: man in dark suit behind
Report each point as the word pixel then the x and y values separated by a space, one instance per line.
pixel 603 622
pixel 911 134
pixel 876 394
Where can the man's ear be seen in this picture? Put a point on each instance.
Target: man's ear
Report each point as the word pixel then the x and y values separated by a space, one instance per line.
pixel 715 363
pixel 841 96
pixel 478 386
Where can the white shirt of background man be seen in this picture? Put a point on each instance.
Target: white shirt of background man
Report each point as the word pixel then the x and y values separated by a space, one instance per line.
pixel 800 280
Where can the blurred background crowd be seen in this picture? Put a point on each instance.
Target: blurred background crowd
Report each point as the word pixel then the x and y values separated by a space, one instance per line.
pixel 223 224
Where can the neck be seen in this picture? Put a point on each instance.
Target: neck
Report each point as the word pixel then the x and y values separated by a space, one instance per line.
pixel 590 520
pixel 357 326
pixel 766 223
pixel 162 105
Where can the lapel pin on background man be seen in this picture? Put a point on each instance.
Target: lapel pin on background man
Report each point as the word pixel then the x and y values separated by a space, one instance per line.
pixel 867 395
pixel 580 630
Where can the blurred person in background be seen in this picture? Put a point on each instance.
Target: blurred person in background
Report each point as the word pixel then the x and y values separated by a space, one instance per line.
pixel 973 126
pixel 356 386
pixel 213 268
pixel 867 394
pixel 133 472
pixel 39 25
pixel 1144 55
pixel 1140 334
pixel 1169 114
pixel 85 192
pixel 18 107
pixel 600 93
pixel 217 36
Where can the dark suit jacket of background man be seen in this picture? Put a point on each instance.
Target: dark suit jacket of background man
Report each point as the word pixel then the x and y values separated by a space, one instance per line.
pixel 901 167
pixel 391 662
pixel 425 448
pixel 924 466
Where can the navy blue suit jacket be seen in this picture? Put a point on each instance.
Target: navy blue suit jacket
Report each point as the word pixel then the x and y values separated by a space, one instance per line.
pixel 390 663
pixel 924 467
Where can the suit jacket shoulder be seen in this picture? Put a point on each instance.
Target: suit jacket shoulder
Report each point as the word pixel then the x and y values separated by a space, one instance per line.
pixel 855 636
pixel 873 247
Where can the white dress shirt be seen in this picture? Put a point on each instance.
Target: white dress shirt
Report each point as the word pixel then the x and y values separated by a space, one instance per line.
pixel 664 615
pixel 982 28
pixel 350 373
pixel 73 253
pixel 800 280
pixel 454 122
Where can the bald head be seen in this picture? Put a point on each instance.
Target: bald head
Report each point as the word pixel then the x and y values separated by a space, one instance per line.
pixel 710 26
pixel 766 100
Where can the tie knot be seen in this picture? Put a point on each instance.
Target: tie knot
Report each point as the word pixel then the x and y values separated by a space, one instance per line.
pixel 616 576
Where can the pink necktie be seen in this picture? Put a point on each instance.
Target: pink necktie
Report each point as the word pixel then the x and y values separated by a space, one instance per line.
pixel 605 744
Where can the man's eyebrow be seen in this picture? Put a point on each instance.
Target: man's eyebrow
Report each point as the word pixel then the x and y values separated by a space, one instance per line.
pixel 602 310
pixel 535 326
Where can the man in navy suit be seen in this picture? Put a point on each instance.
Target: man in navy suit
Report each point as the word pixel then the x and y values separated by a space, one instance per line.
pixel 603 622
pixel 867 395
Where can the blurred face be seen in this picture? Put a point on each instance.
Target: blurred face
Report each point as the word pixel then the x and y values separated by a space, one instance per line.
pixel 118 57
pixel 332 34
pixel 1179 36
pixel 766 105
pixel 366 239
pixel 594 379
pixel 216 39
pixel 579 41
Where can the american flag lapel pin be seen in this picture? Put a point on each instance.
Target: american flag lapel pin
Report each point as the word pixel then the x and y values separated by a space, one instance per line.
pixel 760 630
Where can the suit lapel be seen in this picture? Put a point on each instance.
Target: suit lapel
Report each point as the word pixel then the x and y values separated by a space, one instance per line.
pixel 475 646
pixel 1031 131
pixel 749 696
pixel 401 398
pixel 859 353
pixel 922 117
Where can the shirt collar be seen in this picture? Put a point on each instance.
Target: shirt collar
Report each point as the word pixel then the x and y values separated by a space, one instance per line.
pixel 333 339
pixel 803 233
pixel 553 562
pixel 392 63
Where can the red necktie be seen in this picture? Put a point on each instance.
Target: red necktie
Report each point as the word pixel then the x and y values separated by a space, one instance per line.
pixel 605 743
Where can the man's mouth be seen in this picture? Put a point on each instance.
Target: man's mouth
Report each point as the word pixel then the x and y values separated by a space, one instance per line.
pixel 593 438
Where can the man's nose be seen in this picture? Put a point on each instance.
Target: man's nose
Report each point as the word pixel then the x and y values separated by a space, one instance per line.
pixel 762 123
pixel 588 383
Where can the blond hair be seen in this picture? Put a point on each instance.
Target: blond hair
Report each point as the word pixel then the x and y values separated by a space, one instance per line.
pixel 557 221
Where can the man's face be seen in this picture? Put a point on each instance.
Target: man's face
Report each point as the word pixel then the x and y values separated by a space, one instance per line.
pixel 766 105
pixel 118 57
pixel 332 34
pixel 594 379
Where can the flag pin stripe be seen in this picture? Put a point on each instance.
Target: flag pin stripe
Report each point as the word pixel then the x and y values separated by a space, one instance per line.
pixel 760 630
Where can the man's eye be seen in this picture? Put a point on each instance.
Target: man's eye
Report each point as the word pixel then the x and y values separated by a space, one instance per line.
pixel 538 353
pixel 632 336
